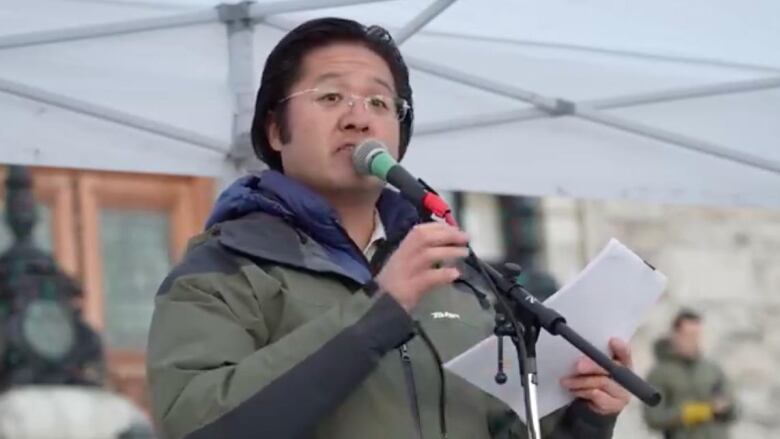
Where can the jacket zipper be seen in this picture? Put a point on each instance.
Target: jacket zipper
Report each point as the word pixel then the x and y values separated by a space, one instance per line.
pixel 406 361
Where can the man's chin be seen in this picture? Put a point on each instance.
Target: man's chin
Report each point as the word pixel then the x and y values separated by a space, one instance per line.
pixel 358 182
pixel 368 188
pixel 353 186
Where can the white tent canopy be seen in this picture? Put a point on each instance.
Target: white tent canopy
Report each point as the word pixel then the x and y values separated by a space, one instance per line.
pixel 663 101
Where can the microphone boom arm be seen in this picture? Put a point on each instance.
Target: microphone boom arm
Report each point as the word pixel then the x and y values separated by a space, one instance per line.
pixel 532 312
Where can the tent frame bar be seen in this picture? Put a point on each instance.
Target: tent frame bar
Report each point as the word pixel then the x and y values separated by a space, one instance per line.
pixel 680 140
pixel 241 78
pixel 423 18
pixel 550 105
pixel 108 29
pixel 562 107
pixel 622 53
pixel 687 93
pixel 211 15
pixel 480 121
pixel 112 115
pixel 601 104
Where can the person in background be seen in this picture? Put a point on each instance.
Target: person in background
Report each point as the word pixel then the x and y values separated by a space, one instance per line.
pixel 697 399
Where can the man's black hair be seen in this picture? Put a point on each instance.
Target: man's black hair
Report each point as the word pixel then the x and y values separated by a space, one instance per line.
pixel 685 315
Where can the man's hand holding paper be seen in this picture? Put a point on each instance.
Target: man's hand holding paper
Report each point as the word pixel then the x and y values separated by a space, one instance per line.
pixel 592 383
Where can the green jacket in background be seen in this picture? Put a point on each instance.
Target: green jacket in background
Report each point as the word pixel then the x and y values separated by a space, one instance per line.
pixel 258 333
pixel 682 381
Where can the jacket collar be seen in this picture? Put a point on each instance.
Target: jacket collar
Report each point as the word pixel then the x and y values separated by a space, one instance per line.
pixel 277 219
pixel 265 238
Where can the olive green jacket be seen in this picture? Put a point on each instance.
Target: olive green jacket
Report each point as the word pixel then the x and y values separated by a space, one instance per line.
pixel 259 334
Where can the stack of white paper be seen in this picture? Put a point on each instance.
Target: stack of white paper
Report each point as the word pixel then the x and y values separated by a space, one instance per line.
pixel 609 298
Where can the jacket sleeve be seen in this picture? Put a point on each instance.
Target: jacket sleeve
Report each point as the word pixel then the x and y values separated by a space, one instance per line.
pixel 215 375
pixel 664 416
pixel 575 421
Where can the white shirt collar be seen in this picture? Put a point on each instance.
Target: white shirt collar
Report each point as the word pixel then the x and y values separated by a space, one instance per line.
pixel 377 236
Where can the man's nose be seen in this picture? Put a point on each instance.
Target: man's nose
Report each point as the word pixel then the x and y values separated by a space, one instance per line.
pixel 356 117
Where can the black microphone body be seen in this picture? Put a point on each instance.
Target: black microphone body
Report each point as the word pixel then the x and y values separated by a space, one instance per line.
pixel 409 187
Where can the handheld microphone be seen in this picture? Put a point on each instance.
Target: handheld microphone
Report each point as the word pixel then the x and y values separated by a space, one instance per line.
pixel 371 157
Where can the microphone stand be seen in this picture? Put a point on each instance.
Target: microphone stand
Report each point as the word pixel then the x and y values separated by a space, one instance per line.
pixel 522 313
pixel 526 356
pixel 524 336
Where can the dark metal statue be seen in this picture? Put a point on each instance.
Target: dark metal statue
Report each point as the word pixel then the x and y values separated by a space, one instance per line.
pixel 43 339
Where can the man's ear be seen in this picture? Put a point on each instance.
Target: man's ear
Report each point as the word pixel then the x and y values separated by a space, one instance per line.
pixel 274 137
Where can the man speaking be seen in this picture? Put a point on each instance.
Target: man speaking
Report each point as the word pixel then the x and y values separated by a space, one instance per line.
pixel 310 306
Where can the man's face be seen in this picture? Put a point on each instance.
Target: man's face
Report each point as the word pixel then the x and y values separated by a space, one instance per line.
pixel 324 129
pixel 686 338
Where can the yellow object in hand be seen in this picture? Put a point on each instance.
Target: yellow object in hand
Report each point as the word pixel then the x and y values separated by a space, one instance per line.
pixel 694 413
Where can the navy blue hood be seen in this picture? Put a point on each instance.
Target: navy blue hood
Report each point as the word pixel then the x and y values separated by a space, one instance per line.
pixel 274 193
